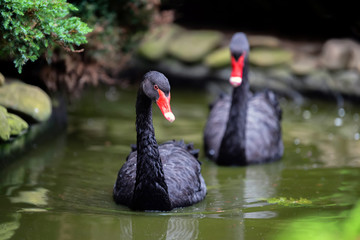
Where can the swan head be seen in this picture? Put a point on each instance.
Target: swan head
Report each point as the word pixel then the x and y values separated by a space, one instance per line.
pixel 156 86
pixel 239 48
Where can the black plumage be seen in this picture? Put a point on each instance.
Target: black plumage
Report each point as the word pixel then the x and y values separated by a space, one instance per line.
pixel 244 128
pixel 157 177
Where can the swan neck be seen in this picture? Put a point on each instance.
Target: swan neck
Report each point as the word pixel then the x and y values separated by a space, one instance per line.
pixel 150 180
pixel 144 125
pixel 232 148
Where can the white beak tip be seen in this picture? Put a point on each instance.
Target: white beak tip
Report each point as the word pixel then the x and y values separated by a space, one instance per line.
pixel 169 116
pixel 235 81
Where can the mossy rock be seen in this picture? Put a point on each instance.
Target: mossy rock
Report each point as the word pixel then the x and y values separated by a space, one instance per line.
pixel 2 79
pixel 4 125
pixel 10 124
pixel 193 46
pixel 219 58
pixel 268 57
pixel 156 42
pixel 304 66
pixel 17 124
pixel 26 99
pixel 320 80
pixel 264 41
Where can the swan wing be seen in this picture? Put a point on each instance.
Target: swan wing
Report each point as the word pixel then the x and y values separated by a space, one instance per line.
pixel 263 130
pixel 182 172
pixel 216 125
pixel 125 182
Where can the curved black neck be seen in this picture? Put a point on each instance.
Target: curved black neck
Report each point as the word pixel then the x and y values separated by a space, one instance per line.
pixel 151 192
pixel 232 148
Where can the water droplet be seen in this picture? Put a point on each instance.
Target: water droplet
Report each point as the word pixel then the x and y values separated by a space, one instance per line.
pixel 296 141
pixel 306 114
pixel 338 122
pixel 341 112
pixel 357 136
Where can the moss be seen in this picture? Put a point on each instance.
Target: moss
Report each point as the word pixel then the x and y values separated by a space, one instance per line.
pixel 17 124
pixel 157 41
pixel 289 201
pixel 4 125
pixel 267 57
pixel 219 58
pixel 27 99
pixel 193 46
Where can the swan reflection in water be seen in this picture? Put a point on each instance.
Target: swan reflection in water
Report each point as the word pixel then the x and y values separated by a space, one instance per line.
pixel 159 227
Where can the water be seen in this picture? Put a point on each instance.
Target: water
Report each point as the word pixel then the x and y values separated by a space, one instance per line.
pixel 63 188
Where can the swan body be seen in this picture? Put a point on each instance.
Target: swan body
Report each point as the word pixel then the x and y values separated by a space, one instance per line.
pixel 158 177
pixel 244 128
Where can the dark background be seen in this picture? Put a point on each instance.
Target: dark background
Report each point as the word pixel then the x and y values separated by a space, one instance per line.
pixel 305 19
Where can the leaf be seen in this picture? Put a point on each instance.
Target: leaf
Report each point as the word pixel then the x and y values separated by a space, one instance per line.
pixel 30 26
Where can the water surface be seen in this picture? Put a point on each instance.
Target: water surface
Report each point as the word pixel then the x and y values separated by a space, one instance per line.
pixel 63 188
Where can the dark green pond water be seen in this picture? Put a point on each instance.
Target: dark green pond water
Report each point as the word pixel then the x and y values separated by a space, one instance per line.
pixel 63 188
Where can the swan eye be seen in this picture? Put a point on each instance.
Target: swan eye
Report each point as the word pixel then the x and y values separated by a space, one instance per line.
pixel 156 87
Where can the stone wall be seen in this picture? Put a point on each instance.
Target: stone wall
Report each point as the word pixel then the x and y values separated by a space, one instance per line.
pixel 290 67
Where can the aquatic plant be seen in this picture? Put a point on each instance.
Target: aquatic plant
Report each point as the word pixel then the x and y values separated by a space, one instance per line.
pixel 289 201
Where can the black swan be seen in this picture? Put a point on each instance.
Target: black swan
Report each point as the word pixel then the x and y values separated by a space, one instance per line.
pixel 245 128
pixel 158 177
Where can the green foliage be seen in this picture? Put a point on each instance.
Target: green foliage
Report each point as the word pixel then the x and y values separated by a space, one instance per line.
pixel 123 22
pixel 105 42
pixel 30 26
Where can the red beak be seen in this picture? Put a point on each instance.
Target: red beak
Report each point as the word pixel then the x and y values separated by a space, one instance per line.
pixel 237 70
pixel 164 104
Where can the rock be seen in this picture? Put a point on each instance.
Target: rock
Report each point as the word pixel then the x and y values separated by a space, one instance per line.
pixel 4 125
pixel 17 124
pixel 181 70
pixel 10 124
pixel 2 79
pixel 257 78
pixel 156 42
pixel 222 74
pixel 26 99
pixel 307 48
pixel 268 57
pixel 219 58
pixel 319 80
pixel 283 75
pixel 193 46
pixel 348 82
pixel 38 133
pixel 337 53
pixel 263 41
pixel 275 79
pixel 354 62
pixel 304 65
